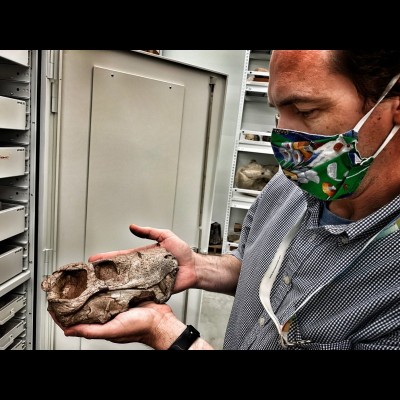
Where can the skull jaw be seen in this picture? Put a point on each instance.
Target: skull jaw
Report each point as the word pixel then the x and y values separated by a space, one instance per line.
pixel 104 306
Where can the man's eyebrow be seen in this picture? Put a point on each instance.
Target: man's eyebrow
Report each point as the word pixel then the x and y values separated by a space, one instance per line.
pixel 296 98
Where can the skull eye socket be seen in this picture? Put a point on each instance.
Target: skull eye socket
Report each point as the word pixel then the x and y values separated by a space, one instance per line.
pixel 71 284
pixel 106 270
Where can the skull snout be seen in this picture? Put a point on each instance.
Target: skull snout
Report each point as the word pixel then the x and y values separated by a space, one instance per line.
pixel 71 284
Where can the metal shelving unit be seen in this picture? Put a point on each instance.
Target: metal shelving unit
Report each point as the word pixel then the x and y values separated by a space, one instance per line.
pixel 255 122
pixel 18 77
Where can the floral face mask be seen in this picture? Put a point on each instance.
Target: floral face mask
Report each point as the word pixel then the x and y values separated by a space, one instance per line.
pixel 327 167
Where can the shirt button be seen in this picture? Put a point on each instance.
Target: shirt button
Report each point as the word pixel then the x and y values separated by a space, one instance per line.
pixel 312 237
pixel 286 279
pixel 344 239
pixel 261 321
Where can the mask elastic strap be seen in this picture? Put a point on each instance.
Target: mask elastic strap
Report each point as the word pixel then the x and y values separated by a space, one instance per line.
pixel 388 87
pixel 388 138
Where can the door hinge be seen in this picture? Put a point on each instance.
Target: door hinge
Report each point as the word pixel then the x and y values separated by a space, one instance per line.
pixel 52 75
pixel 50 70
pixel 47 258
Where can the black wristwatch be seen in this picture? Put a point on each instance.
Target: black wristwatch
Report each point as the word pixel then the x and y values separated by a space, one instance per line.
pixel 185 339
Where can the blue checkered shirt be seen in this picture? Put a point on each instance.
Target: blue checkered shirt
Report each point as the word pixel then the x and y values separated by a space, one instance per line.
pixel 358 304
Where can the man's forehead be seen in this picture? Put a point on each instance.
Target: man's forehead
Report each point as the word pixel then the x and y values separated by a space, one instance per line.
pixel 299 60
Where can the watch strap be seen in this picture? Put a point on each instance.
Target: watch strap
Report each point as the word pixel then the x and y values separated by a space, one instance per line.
pixel 185 339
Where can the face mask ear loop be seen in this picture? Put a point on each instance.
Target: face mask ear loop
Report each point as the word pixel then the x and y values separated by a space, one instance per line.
pixel 388 87
pixel 389 137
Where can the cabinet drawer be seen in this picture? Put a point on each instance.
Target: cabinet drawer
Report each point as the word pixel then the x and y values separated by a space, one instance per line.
pixel 19 344
pixel 12 220
pixel 17 56
pixel 12 161
pixel 9 331
pixel 12 113
pixel 10 304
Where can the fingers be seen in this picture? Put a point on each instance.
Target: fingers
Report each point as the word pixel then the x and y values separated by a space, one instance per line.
pixel 130 326
pixel 94 331
pixel 86 331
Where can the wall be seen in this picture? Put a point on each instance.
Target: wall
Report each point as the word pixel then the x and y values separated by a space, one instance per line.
pixel 215 308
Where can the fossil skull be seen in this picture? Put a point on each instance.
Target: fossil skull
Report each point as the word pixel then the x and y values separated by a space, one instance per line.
pixel 96 292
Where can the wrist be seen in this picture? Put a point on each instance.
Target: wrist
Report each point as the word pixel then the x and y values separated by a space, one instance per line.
pixel 186 339
pixel 200 344
pixel 166 332
pixel 190 339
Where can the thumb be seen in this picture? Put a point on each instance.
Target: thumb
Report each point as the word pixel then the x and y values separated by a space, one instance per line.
pixel 146 232
pixel 141 231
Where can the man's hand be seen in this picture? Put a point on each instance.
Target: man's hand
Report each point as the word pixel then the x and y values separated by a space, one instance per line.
pixel 186 277
pixel 152 324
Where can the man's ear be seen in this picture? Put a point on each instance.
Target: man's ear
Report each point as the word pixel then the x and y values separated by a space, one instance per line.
pixel 396 110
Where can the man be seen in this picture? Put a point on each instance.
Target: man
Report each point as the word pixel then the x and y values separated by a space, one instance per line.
pixel 318 261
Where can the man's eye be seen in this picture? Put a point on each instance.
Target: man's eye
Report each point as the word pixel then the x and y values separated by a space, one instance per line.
pixel 305 113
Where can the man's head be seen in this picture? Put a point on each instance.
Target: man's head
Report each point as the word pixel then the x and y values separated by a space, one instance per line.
pixel 327 92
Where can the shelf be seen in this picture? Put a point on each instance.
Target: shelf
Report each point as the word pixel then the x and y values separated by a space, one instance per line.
pixel 259 73
pixel 259 137
pixel 10 304
pixel 17 56
pixel 243 198
pixel 18 344
pixel 19 77
pixel 255 147
pixel 256 96
pixel 256 87
pixel 16 90
pixel 251 145
pixel 10 331
pixel 247 193
pixel 14 282
pixel 257 83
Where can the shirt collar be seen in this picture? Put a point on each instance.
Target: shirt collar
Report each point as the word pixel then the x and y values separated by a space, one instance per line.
pixel 369 225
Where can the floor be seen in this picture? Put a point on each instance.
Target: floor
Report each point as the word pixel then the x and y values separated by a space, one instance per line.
pixel 214 315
